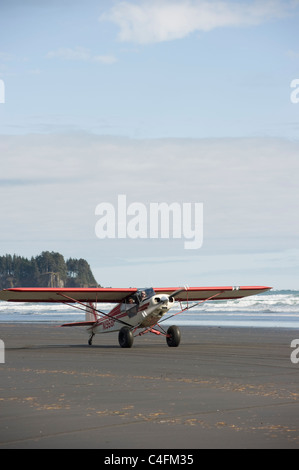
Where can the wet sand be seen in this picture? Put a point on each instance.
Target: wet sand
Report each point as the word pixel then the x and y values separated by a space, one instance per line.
pixel 221 388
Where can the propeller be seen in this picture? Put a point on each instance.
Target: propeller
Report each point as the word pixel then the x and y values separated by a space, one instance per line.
pixel 175 293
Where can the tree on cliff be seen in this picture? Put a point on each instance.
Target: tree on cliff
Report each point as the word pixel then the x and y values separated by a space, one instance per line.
pixel 49 269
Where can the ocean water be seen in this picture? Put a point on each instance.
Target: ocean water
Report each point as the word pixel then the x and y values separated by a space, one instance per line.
pixel 272 309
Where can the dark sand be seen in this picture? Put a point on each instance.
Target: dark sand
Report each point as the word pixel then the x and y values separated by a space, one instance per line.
pixel 221 388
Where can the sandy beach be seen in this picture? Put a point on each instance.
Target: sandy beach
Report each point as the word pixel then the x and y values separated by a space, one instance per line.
pixel 221 388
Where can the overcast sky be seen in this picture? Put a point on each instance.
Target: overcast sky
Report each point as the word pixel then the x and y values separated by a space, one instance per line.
pixel 162 101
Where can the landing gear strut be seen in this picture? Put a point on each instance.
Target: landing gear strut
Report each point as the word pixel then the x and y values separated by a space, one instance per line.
pixel 90 339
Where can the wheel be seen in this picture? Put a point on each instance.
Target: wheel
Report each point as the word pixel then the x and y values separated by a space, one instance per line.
pixel 125 337
pixel 173 337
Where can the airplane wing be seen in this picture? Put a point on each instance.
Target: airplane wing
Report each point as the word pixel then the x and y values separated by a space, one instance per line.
pixel 206 293
pixel 41 294
pixel 115 295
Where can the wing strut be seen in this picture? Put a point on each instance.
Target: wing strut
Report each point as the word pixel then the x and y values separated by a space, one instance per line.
pixel 95 309
pixel 152 330
pixel 194 305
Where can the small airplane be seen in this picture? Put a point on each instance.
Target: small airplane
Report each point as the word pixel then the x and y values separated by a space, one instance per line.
pixel 135 308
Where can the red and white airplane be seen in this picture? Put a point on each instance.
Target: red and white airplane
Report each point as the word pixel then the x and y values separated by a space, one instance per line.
pixel 136 308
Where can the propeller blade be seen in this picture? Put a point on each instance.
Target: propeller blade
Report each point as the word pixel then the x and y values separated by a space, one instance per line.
pixel 175 293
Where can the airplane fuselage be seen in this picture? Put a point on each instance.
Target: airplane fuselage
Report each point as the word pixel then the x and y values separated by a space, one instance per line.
pixel 144 314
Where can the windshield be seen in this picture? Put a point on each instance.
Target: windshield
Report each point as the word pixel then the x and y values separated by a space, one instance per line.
pixel 131 303
pixel 145 293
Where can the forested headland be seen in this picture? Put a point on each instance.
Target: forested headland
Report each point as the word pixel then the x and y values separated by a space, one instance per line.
pixel 49 269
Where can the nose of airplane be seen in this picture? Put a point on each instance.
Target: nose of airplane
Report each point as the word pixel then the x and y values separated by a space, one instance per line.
pixel 161 299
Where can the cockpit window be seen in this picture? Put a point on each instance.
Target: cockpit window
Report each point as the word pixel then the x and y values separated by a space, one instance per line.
pixel 131 303
pixel 145 293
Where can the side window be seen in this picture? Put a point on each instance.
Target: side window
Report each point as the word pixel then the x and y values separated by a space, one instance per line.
pixel 130 306
pixel 132 310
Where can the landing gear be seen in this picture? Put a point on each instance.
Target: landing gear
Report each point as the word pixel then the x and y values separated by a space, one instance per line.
pixel 173 337
pixel 90 339
pixel 125 337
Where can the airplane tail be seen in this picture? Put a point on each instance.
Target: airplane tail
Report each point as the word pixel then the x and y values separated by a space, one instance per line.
pixel 90 313
pixel 90 317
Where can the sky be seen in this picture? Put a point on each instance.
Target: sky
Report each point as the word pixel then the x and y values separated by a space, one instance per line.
pixel 186 102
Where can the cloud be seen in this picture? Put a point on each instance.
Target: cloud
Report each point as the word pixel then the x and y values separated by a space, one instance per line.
pixel 81 54
pixel 52 183
pixel 293 54
pixel 151 21
pixel 248 186
pixel 104 59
